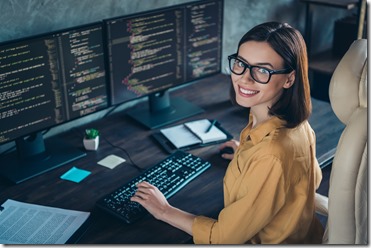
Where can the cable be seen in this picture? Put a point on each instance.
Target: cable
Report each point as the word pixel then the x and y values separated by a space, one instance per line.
pixel 115 146
pixel 127 154
pixel 110 111
pixel 45 131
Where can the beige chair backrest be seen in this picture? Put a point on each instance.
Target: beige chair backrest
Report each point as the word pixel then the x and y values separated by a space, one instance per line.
pixel 348 189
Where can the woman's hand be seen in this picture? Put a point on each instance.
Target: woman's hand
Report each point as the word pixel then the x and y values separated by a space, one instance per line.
pixel 231 144
pixel 151 198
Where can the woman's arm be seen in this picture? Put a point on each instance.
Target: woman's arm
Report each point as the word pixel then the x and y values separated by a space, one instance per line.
pixel 155 202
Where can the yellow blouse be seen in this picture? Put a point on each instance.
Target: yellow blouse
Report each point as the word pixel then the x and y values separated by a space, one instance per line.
pixel 269 190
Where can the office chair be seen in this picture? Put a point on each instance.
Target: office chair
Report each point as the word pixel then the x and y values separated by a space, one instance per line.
pixel 346 205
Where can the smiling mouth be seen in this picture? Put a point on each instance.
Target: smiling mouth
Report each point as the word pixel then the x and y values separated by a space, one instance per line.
pixel 248 92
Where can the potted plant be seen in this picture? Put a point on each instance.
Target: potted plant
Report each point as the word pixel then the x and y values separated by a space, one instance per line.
pixel 91 139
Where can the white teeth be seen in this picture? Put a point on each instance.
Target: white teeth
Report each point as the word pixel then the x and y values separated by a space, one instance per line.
pixel 248 92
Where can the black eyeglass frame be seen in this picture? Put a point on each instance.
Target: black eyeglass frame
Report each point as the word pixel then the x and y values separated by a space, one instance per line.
pixel 246 65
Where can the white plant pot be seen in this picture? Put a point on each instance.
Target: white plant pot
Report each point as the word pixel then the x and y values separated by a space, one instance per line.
pixel 91 144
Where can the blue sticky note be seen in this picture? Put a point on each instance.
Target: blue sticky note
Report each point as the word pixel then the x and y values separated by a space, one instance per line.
pixel 75 175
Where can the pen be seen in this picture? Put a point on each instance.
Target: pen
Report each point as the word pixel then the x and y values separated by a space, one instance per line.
pixel 211 125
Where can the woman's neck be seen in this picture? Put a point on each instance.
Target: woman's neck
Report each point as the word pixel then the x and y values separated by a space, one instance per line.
pixel 259 117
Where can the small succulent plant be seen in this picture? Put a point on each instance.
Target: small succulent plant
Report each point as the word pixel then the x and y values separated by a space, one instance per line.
pixel 91 133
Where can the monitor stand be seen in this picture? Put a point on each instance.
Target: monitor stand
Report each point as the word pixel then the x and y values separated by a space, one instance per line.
pixel 163 110
pixel 34 157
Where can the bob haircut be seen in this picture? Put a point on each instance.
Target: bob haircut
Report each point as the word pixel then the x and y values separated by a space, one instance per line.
pixel 294 106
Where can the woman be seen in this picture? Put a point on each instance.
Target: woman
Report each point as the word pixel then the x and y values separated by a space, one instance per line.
pixel 270 183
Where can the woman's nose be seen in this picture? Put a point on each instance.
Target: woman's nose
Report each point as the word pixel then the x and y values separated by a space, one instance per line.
pixel 246 76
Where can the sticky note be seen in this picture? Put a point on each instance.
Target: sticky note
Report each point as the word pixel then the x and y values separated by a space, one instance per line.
pixel 111 161
pixel 75 175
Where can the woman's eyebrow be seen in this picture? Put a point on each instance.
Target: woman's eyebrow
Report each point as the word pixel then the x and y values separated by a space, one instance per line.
pixel 257 64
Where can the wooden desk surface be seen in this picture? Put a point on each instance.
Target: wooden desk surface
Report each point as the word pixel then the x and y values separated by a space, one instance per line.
pixel 203 196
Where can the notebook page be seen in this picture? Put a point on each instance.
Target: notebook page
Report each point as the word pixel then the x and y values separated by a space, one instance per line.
pixel 200 127
pixel 180 136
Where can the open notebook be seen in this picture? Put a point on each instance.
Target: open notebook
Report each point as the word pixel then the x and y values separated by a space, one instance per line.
pixel 193 134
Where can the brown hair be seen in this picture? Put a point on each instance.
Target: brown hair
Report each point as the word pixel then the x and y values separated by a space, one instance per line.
pixel 294 105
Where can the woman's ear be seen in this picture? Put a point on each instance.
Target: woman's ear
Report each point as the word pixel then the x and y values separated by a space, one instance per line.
pixel 290 80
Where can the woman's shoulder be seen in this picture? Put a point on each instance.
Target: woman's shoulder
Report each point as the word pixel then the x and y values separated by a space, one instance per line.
pixel 288 140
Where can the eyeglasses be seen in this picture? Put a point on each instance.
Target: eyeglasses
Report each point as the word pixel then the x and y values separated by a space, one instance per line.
pixel 259 74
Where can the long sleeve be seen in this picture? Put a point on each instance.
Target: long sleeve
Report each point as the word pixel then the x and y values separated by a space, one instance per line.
pixel 258 200
pixel 269 190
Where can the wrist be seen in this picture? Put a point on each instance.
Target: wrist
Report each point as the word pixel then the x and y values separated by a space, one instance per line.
pixel 167 213
pixel 178 218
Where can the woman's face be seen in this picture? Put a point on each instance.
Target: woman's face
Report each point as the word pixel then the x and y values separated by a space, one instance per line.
pixel 250 93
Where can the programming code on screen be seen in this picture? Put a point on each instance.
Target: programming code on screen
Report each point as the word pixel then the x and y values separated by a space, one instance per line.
pixel 149 44
pixel 50 79
pixel 163 49
pixel 203 39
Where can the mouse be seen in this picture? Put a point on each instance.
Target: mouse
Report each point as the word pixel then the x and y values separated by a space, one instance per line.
pixel 227 149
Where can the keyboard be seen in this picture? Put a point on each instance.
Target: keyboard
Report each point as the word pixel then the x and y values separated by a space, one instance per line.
pixel 169 176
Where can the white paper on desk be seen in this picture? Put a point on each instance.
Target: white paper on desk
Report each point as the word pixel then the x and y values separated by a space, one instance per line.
pixel 111 161
pixel 24 223
pixel 180 136
pixel 199 128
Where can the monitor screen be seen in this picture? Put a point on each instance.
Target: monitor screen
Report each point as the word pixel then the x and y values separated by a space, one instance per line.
pixel 47 80
pixel 152 52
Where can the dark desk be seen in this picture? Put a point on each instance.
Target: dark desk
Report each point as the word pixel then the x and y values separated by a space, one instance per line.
pixel 203 196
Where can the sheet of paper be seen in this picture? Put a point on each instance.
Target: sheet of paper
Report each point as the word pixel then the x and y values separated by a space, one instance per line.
pixel 75 175
pixel 111 161
pixel 200 128
pixel 180 136
pixel 24 223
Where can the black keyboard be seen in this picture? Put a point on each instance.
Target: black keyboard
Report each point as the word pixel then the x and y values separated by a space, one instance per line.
pixel 169 176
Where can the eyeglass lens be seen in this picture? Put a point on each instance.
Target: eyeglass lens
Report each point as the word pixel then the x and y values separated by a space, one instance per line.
pixel 259 74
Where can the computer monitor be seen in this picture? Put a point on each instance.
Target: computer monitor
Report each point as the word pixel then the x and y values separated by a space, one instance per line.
pixel 45 81
pixel 151 52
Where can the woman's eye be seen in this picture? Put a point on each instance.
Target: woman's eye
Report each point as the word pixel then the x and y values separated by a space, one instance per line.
pixel 240 64
pixel 263 70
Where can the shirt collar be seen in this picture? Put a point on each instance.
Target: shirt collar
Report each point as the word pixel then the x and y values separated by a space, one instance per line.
pixel 263 129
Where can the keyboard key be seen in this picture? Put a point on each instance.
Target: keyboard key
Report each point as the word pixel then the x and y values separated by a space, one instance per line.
pixel 169 176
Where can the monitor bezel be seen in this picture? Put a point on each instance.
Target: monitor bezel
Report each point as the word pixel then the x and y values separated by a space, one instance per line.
pixel 158 10
pixel 54 33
